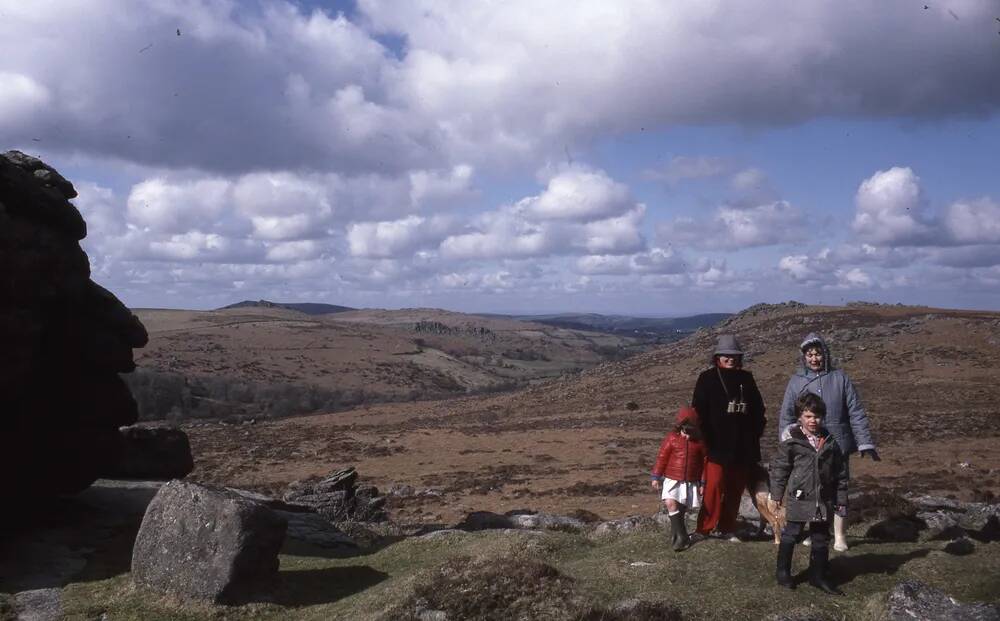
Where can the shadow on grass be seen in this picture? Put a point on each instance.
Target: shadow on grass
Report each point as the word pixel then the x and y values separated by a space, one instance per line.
pixel 304 548
pixel 311 587
pixel 847 568
pixel 76 538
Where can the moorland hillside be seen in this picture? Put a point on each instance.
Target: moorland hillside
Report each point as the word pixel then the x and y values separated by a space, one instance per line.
pixel 927 377
pixel 267 361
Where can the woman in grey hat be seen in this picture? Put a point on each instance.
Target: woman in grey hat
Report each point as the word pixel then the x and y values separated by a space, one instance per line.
pixel 731 412
pixel 845 416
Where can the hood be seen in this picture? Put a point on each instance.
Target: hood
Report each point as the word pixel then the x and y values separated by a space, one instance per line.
pixel 793 431
pixel 687 413
pixel 814 339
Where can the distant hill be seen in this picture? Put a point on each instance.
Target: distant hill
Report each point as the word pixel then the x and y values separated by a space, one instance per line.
pixel 309 308
pixel 265 359
pixel 625 325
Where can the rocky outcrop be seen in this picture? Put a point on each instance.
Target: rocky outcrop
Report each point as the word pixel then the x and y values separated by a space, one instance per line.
pixel 203 543
pixel 339 498
pixel 913 517
pixel 65 340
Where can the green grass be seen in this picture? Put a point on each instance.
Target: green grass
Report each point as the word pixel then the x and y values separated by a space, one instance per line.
pixel 712 580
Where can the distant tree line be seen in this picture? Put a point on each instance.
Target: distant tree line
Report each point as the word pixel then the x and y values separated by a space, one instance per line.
pixel 172 396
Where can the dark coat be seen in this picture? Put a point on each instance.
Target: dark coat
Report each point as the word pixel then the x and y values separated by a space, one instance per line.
pixel 813 480
pixel 680 458
pixel 731 438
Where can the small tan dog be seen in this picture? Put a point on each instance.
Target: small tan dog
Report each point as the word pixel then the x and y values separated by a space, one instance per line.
pixel 759 490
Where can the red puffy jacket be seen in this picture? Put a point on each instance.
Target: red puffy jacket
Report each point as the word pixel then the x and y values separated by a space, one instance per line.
pixel 680 458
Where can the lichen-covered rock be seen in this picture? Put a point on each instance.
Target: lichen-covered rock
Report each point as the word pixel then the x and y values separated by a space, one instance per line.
pixel 914 600
pixel 547 521
pixel 940 525
pixel 203 543
pixel 624 525
pixel 65 340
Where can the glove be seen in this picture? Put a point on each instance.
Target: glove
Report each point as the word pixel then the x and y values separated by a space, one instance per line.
pixel 871 453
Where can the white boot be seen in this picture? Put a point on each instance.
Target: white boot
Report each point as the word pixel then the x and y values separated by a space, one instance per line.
pixel 839 534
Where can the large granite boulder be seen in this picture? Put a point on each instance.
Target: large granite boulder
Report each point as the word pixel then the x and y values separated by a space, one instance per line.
pixel 153 452
pixel 65 340
pixel 203 543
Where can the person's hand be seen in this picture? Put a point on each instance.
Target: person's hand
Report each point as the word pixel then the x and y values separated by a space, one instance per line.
pixel 655 483
pixel 871 453
pixel 840 510
pixel 777 503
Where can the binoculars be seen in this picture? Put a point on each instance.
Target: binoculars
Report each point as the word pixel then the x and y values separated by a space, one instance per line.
pixel 736 407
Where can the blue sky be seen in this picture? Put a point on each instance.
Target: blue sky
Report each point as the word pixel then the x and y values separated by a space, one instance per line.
pixel 620 158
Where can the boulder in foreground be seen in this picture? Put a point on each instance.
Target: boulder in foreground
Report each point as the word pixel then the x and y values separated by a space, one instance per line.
pixel 204 543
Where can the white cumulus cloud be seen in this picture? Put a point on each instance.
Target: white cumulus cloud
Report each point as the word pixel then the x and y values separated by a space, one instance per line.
pixel 891 209
pixel 579 195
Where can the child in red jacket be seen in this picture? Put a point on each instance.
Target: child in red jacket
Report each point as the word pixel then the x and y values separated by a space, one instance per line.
pixel 678 472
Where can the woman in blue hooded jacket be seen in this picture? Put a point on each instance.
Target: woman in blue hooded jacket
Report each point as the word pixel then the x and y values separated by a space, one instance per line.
pixel 846 418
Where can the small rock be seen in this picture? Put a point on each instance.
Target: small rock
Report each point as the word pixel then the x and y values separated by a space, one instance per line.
pixel 935 503
pixel 895 529
pixel 960 547
pixel 547 521
pixel 914 600
pixel 624 525
pixel 981 520
pixel 941 525
pixel 38 605
pixel 485 520
pixel 400 491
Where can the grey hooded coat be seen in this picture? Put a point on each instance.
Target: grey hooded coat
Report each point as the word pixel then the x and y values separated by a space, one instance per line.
pixel 845 416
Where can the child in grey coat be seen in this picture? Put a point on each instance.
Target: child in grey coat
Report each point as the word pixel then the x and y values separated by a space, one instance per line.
pixel 809 478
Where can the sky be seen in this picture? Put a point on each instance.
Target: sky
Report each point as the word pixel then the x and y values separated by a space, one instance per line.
pixel 640 158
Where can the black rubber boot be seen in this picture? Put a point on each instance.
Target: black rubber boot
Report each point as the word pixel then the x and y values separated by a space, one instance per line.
pixel 819 561
pixel 784 572
pixel 681 541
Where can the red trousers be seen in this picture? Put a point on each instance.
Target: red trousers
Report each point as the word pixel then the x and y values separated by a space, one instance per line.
pixel 720 503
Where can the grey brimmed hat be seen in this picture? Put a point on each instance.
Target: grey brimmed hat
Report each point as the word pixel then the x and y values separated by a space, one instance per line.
pixel 728 345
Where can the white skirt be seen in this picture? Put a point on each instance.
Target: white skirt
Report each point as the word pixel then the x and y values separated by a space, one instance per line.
pixel 685 492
